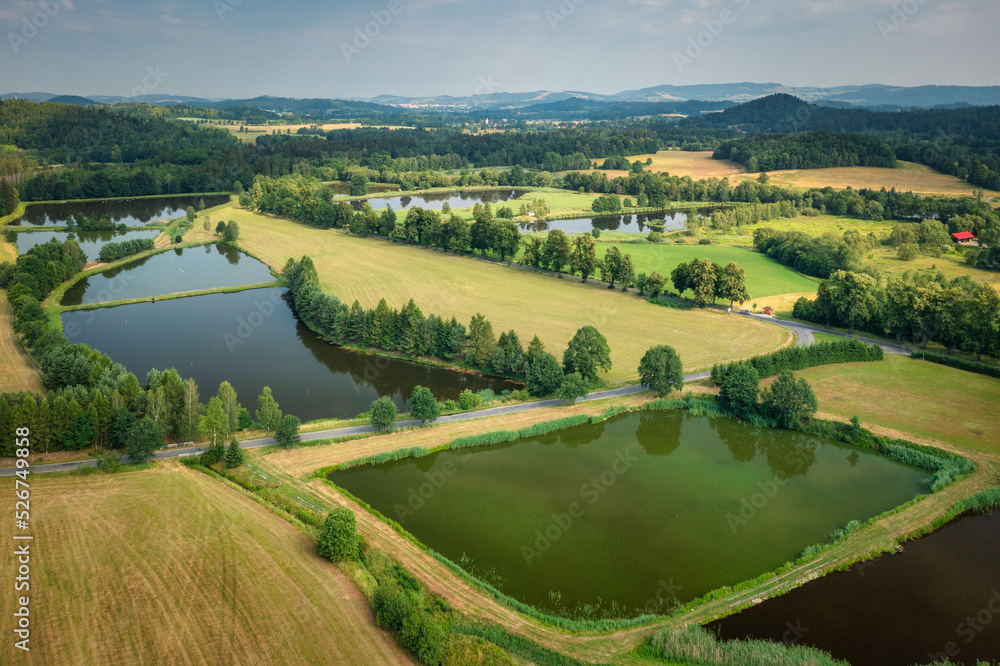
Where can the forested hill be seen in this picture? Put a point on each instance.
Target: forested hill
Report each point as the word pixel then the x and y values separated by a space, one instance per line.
pixel 66 133
pixel 784 113
pixel 962 142
pixel 807 150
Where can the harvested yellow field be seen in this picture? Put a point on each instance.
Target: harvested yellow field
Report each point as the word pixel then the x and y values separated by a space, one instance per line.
pixel 908 177
pixel 531 303
pixel 169 566
pixel 698 164
pixel 15 373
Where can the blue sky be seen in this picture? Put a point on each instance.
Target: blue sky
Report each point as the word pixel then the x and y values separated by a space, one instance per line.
pixel 307 48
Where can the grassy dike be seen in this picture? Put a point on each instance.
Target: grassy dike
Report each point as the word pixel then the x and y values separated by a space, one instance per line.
pixel 53 308
pixel 591 641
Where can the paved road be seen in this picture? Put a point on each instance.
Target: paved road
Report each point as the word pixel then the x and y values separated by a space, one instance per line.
pixel 356 430
pixel 803 333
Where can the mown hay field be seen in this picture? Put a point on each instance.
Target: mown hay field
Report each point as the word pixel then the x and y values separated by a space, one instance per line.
pixel 168 566
pixel 511 298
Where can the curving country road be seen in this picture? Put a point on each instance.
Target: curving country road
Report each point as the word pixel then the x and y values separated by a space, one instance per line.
pixel 803 334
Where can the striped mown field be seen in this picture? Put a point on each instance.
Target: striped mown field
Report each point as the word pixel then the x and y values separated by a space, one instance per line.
pixel 169 566
pixel 511 298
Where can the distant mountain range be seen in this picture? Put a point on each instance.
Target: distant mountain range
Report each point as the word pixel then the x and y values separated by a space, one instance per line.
pixel 537 103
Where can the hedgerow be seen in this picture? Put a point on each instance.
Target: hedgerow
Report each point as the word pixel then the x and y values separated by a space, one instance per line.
pixel 800 358
pixel 959 363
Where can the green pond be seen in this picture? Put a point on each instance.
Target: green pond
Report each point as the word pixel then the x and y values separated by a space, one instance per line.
pixel 633 513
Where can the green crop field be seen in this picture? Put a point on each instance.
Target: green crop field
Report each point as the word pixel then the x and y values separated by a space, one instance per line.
pixel 531 303
pixel 917 397
pixel 168 566
pixel 765 277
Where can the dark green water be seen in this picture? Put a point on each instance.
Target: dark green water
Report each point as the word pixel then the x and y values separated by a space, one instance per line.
pixel 91 242
pixel 130 212
pixel 635 511
pixel 938 599
pixel 173 271
pixel 436 200
pixel 252 339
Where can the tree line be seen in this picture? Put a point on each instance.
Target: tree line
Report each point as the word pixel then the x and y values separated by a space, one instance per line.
pixel 92 400
pixel 806 150
pixel 115 251
pixel 412 333
pixel 916 307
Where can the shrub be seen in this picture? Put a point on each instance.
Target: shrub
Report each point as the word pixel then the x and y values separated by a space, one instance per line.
pixel 213 454
pixel 383 414
pixel 705 241
pixel 573 386
pixel 738 393
pixel 654 237
pixel 338 540
pixel 788 400
pixel 423 636
pixel 110 463
pixel 392 606
pixel 671 303
pixel 468 400
pixel 116 251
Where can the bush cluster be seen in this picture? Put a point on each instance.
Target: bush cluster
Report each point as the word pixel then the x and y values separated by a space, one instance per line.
pixel 116 251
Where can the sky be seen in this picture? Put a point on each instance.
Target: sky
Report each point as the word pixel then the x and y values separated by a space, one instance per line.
pixel 364 48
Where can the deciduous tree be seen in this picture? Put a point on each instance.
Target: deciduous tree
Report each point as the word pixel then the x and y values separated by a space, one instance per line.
pixel 661 370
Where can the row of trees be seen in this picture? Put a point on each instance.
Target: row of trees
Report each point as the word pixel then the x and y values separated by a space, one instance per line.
pixel 92 400
pixel 709 281
pixel 817 256
pixel 406 330
pixel 115 251
pixel 958 314
pixel 788 401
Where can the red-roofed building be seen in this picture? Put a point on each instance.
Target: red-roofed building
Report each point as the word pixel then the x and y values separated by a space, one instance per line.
pixel 964 237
